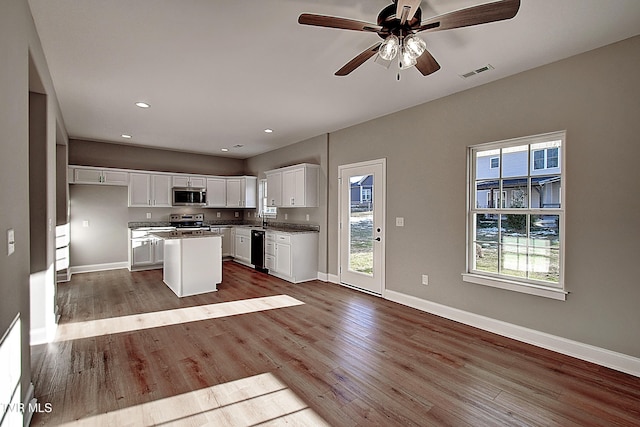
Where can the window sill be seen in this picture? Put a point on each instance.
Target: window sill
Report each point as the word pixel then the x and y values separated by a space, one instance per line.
pixel 511 285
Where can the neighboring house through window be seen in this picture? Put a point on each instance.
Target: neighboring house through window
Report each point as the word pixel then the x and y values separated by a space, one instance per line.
pixel 516 215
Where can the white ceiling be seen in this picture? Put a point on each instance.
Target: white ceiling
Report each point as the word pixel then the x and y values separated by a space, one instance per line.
pixel 217 73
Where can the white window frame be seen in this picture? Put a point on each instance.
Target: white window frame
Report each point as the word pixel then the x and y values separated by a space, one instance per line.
pixel 365 194
pixel 265 211
pixel 523 285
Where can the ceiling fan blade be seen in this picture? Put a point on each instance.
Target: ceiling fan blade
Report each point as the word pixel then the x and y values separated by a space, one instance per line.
pixel 474 15
pixel 427 64
pixel 405 9
pixel 335 22
pixel 358 60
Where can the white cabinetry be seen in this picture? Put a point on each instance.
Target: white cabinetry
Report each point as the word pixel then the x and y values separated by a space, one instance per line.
pixel 241 192
pixel 145 251
pixel 292 256
pixel 189 181
pixel 274 188
pixel 293 186
pixel 149 190
pixel 228 241
pixel 217 193
pixel 89 175
pixel 243 245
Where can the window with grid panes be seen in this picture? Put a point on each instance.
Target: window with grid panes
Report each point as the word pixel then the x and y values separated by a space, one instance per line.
pixel 516 215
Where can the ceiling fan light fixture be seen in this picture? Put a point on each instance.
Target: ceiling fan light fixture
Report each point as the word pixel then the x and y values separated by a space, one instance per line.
pixel 414 46
pixel 389 48
pixel 406 59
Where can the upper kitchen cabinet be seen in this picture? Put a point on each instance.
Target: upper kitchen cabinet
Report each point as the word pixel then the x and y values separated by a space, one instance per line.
pixel 89 175
pixel 216 193
pixel 274 188
pixel 189 181
pixel 241 192
pixel 298 186
pixel 149 190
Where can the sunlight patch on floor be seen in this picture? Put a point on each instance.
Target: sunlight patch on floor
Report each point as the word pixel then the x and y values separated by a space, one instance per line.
pixel 116 325
pixel 261 399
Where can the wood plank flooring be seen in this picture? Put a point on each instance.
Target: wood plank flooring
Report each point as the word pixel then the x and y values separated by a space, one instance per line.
pixel 339 358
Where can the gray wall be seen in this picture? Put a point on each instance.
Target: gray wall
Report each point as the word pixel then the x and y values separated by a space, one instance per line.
pixel 19 41
pixel 595 97
pixel 91 153
pixel 313 150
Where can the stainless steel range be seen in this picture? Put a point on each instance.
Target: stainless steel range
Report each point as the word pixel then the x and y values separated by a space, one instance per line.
pixel 191 222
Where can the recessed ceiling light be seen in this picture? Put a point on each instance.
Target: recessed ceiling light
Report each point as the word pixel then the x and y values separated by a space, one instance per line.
pixel 224 149
pixel 143 105
pixel 268 130
pixel 125 136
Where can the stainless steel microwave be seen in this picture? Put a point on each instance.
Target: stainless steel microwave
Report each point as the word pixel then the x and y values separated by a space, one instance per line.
pixel 189 196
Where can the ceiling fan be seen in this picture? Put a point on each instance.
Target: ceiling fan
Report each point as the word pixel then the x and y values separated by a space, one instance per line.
pixel 398 25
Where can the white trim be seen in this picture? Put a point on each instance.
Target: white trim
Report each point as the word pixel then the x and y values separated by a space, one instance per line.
pixel 30 402
pixel 323 277
pixel 98 267
pixel 610 359
pixel 333 278
pixel 512 285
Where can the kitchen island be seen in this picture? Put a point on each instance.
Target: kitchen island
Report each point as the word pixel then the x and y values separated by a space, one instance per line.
pixel 192 261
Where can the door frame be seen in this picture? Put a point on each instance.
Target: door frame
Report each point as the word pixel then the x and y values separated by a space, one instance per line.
pixel 383 203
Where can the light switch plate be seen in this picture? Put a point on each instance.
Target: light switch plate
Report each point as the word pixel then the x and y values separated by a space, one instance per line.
pixel 399 221
pixel 85 223
pixel 11 241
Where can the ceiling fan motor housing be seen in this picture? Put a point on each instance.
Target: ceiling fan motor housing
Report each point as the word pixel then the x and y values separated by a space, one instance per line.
pixel 390 23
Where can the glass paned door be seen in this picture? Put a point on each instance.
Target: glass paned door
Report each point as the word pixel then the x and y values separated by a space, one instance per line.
pixel 361 225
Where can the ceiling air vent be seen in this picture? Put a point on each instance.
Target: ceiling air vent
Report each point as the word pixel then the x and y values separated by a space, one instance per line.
pixel 477 71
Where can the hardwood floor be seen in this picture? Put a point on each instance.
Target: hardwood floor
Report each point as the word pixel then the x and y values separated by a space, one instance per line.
pixel 323 354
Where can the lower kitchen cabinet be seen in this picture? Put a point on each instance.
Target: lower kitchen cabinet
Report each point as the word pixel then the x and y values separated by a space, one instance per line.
pixel 292 256
pixel 243 245
pixel 228 241
pixel 145 251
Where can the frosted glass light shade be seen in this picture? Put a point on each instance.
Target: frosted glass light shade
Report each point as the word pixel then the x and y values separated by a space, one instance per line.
pixel 389 48
pixel 414 46
pixel 406 59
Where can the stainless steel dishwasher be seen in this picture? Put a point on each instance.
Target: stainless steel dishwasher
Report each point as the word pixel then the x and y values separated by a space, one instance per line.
pixel 257 250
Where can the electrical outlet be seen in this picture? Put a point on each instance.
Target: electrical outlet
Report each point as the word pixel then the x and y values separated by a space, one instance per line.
pixel 237 214
pixel 85 223
pixel 217 214
pixel 425 279
pixel 148 215
pixel 399 221
pixel 307 217
pixel 286 216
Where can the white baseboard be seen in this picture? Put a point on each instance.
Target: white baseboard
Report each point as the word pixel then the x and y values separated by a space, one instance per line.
pixel 98 267
pixel 333 278
pixel 324 277
pixel 610 359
